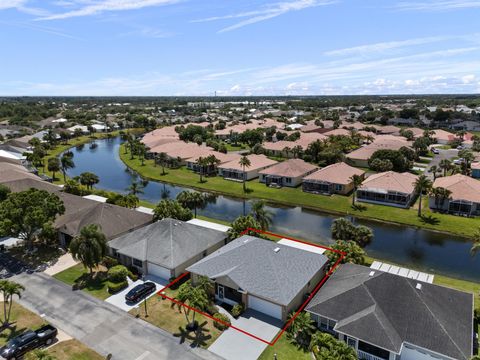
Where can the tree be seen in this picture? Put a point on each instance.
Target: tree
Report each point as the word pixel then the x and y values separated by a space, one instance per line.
pixel 192 200
pixel 89 179
pixel 171 209
pixel 261 215
pixel 193 296
pixel 9 289
pixel 422 185
pixel 326 347
pixel 89 247
pixel 66 162
pixel 24 214
pixel 53 166
pixel 356 180
pixel 343 229
pixel 398 159
pixel 354 254
pixel 440 194
pixel 468 158
pixel 301 329
pixel 4 191
pixel 381 165
pixel 434 170
pixel 445 165
pixel 202 164
pixel 363 235
pixel 241 225
pixel 162 160
pixel 244 163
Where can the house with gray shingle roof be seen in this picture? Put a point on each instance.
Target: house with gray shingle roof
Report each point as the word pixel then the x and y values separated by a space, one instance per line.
pixel 389 317
pixel 167 247
pixel 269 277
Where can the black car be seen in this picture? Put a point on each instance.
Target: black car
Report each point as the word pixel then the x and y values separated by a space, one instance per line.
pixel 141 291
pixel 28 341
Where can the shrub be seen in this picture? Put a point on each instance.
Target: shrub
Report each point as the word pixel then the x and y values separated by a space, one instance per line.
pixel 117 274
pixel 109 262
pixel 221 317
pixel 238 310
pixel 211 309
pixel 114 287
pixel 132 276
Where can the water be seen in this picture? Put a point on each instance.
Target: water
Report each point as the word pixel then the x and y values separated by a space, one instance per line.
pixel 422 249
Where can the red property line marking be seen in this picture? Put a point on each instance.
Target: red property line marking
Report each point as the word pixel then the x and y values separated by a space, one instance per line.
pixel 287 325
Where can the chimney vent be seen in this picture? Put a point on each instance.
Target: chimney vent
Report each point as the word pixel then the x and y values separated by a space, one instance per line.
pixel 419 286
pixel 277 249
pixel 371 273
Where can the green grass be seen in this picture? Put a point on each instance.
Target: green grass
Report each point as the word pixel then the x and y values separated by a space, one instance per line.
pixel 96 286
pixel 284 350
pixel 73 350
pixel 240 146
pixel 21 320
pixel 336 204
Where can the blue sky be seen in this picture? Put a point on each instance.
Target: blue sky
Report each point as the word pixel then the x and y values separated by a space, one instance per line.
pixel 242 47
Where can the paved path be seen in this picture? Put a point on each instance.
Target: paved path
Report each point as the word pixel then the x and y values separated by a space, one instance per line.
pixel 235 345
pixel 443 154
pixel 63 262
pixel 99 325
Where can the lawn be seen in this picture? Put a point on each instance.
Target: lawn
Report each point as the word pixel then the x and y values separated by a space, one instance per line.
pixel 284 350
pixel 163 315
pixel 96 286
pixel 22 320
pixel 73 350
pixel 295 196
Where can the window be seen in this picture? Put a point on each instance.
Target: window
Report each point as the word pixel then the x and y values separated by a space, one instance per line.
pixel 137 262
pixel 351 342
pixel 288 180
pixel 338 187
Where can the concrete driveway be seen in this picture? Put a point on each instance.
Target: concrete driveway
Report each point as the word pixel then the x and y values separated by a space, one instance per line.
pixel 100 325
pixel 119 298
pixel 235 345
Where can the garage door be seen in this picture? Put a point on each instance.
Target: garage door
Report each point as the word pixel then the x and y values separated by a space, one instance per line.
pixel 159 271
pixel 265 307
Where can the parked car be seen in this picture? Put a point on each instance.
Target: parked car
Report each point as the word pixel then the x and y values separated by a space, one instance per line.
pixel 458 161
pixel 140 292
pixel 435 151
pixel 28 341
pixel 460 147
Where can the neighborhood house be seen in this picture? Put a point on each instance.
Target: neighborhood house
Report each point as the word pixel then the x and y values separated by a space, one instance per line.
pixel 332 179
pixel 286 173
pixel 464 196
pixel 232 170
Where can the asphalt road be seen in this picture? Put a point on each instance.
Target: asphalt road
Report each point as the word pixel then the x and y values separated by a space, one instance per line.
pixel 101 326
pixel 443 154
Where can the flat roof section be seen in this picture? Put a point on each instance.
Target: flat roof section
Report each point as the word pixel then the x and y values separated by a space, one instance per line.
pixel 209 224
pixel 302 246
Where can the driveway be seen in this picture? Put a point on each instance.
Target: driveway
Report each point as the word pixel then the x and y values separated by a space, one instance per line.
pixel 235 345
pixel 100 325
pixel 119 298
pixel 443 154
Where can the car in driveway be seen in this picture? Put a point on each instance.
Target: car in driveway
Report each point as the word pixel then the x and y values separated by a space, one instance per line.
pixel 28 341
pixel 435 151
pixel 140 292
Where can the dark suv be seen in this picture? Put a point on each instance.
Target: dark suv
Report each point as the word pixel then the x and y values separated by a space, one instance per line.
pixel 30 340
pixel 141 291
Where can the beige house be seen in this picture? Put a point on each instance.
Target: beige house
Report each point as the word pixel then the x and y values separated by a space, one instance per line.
pixel 232 170
pixel 388 188
pixel 287 173
pixel 332 179
pixel 361 156
pixel 464 198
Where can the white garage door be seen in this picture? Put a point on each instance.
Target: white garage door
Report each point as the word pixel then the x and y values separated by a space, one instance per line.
pixel 265 307
pixel 159 271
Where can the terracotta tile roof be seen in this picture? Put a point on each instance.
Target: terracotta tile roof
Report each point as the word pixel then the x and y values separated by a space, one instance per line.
pixel 443 135
pixel 338 132
pixel 256 162
pixel 339 173
pixel 380 143
pixel 224 158
pixel 390 181
pixel 290 168
pixel 461 186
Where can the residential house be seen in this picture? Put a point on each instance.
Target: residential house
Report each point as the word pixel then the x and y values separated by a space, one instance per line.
pixel 265 276
pixel 389 317
pixel 287 173
pixel 232 170
pixel 361 156
pixel 464 195
pixel 388 188
pixel 222 158
pixel 332 179
pixel 466 126
pixel 475 170
pixel 166 247
pixel 443 137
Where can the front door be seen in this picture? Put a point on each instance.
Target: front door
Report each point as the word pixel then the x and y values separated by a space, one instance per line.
pixel 221 292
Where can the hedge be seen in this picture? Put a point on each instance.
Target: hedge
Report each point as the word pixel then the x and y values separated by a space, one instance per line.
pixel 224 318
pixel 114 287
pixel 117 274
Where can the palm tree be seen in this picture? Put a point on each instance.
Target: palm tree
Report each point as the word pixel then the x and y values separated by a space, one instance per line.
pixel 162 160
pixel 213 161
pixel 244 162
pixel 286 150
pixel 192 200
pixel 90 246
pixel 66 162
pixel 53 166
pixel 202 164
pixel 89 179
pixel 342 229
pixel 434 170
pixel 194 297
pixel 440 194
pixel 261 215
pixel 468 158
pixel 135 188
pixel 476 243
pixel 301 328
pixel 297 151
pixel 356 180
pixel 445 165
pixel 9 289
pixel 422 185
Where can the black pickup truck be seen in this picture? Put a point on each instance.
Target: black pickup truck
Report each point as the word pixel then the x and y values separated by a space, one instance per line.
pixel 28 341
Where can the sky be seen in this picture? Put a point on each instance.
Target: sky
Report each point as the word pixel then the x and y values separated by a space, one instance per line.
pixel 238 47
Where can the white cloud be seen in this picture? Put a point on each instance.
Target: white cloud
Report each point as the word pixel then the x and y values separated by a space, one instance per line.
pixel 22 6
pixel 437 5
pixel 268 12
pixel 88 8
pixel 467 79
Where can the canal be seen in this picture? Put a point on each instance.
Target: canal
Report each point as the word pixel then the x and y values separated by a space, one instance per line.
pixel 426 250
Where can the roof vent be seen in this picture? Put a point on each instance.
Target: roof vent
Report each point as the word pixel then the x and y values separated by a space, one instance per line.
pixel 276 249
pixel 419 286
pixel 371 273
